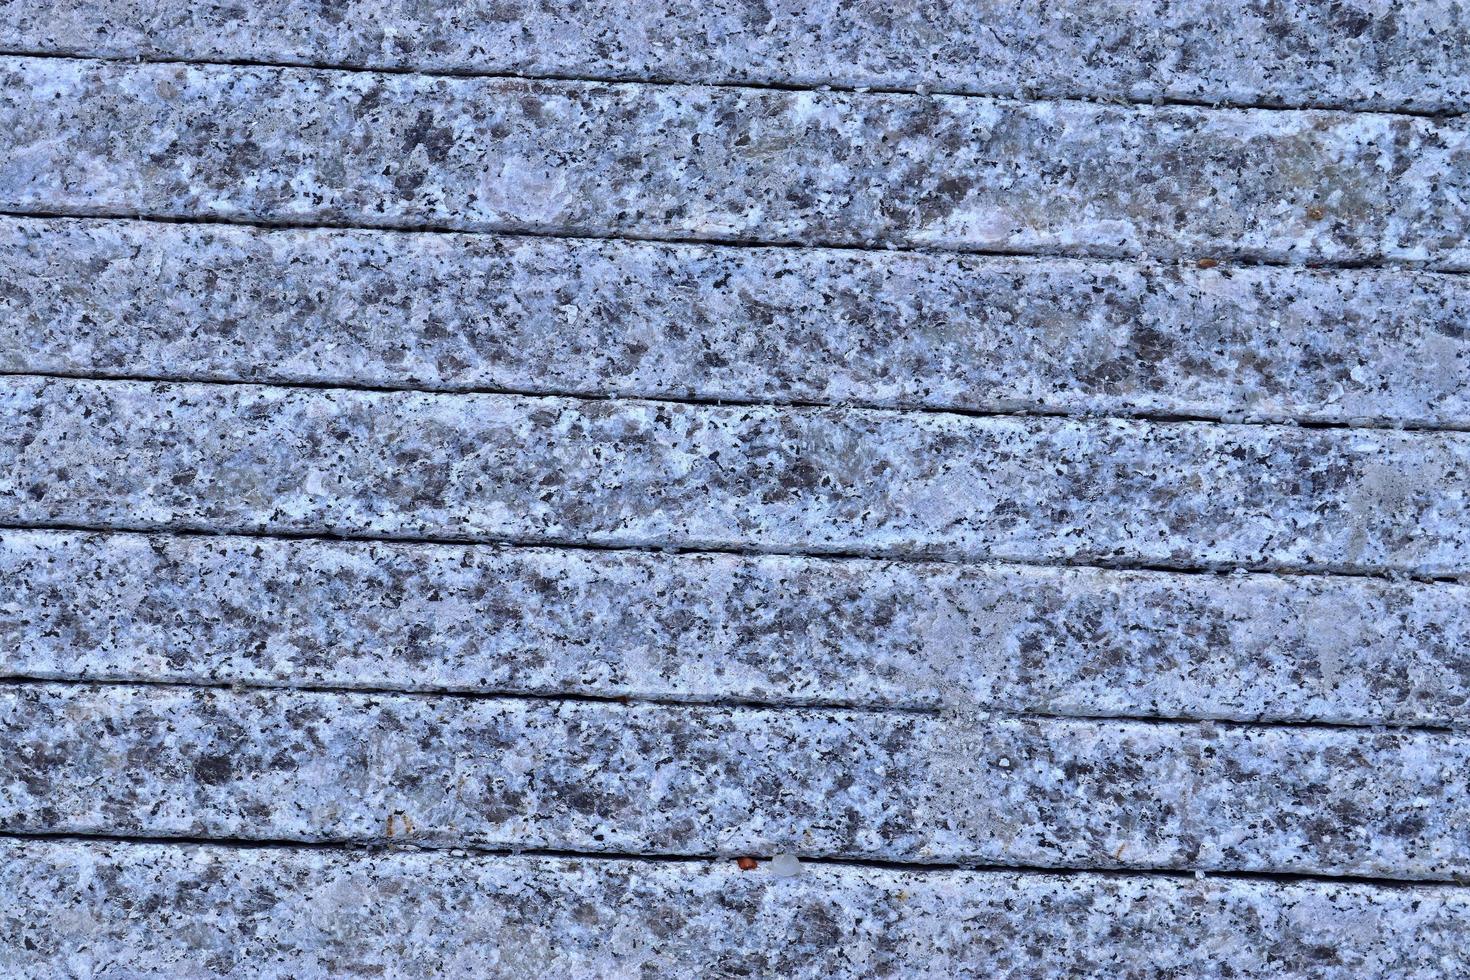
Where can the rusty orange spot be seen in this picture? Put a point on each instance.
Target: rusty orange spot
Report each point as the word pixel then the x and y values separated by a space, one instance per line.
pixel 1207 263
pixel 1316 213
pixel 745 864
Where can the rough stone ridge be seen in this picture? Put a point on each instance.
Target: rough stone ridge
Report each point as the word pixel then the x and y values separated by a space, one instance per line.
pixel 647 319
pixel 658 779
pixel 267 144
pixel 712 627
pixel 553 470
pixel 149 911
pixel 1363 52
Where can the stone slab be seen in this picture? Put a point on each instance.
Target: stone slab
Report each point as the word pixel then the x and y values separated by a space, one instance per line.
pixel 139 910
pixel 639 319
pixel 689 162
pixel 120 455
pixel 1363 53
pixel 658 779
pixel 712 627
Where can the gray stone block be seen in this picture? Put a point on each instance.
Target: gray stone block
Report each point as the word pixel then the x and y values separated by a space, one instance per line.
pixel 808 325
pixel 726 627
pixel 627 473
pixel 571 158
pixel 1410 53
pixel 148 911
pixel 658 779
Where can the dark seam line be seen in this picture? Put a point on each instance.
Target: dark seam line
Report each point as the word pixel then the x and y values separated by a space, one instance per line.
pixel 429 692
pixel 375 846
pixel 966 713
pixel 183 530
pixel 1258 722
pixel 921 90
pixel 1226 260
pixel 1156 417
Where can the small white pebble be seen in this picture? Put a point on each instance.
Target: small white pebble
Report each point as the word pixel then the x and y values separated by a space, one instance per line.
pixel 785 866
pixel 1005 763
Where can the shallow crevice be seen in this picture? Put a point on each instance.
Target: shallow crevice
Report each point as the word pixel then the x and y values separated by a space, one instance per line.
pixel 1224 261
pixel 264 379
pixel 968 714
pixel 934 557
pixel 364 846
pixel 1437 113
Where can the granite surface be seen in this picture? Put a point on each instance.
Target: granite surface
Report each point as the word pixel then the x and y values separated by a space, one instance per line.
pixel 648 474
pixel 557 316
pixel 725 627
pixel 401 150
pixel 158 761
pixel 1367 53
pixel 370 492
pixel 192 912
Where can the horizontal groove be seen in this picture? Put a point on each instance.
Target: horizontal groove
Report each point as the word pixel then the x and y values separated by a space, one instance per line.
pixel 360 846
pixel 568 544
pixel 427 692
pixel 1224 261
pixel 936 708
pixel 668 81
pixel 665 398
pixel 1338 725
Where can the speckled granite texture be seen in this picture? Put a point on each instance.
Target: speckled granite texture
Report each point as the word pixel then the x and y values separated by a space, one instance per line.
pixel 552 470
pixel 711 627
pixel 659 779
pixel 643 319
pixel 730 164
pixel 147 911
pixel 1368 53
pixel 749 489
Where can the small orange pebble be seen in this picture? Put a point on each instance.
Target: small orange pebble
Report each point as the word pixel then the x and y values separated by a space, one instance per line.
pixel 1207 263
pixel 1316 213
pixel 745 864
